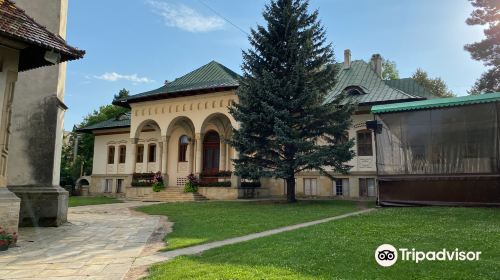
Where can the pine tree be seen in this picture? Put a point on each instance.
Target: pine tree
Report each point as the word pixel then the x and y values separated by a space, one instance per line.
pixel 285 125
pixel 487 13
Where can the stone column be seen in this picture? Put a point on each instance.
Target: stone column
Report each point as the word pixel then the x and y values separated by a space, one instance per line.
pixel 145 159
pixel 37 129
pixel 199 151
pixel 223 155
pixel 9 202
pixel 159 156
pixel 235 180
pixel 133 156
pixel 164 165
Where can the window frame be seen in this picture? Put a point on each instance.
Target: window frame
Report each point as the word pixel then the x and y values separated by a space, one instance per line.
pixel 364 148
pixel 111 154
pixel 152 152
pixel 182 155
pixel 122 154
pixel 139 156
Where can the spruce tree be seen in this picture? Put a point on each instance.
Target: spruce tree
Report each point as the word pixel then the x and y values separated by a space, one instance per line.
pixel 285 124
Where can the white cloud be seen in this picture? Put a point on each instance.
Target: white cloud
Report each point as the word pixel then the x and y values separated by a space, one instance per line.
pixel 113 77
pixel 185 18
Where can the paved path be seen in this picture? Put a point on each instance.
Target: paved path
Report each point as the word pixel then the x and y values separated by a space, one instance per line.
pixel 165 256
pixel 100 242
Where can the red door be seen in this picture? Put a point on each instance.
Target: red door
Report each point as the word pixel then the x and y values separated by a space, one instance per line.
pixel 211 153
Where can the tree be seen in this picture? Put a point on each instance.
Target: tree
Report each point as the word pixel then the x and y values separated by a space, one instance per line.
pixel 389 70
pixel 121 94
pixel 70 166
pixel 434 85
pixel 281 110
pixel 486 12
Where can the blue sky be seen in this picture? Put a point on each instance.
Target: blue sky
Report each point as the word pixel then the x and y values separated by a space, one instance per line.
pixel 138 44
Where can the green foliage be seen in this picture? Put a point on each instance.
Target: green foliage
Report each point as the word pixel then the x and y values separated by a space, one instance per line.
pixel 158 187
pixel 435 85
pixel 192 184
pixel 486 12
pixel 70 167
pixel 286 75
pixel 121 94
pixel 488 82
pixel 389 70
pixel 190 187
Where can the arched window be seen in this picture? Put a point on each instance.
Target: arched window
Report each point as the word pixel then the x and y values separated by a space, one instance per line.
pixel 364 143
pixel 183 145
pixel 111 154
pixel 140 154
pixel 123 154
pixel 152 153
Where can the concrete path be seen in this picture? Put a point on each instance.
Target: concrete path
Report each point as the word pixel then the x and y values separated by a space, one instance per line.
pixel 165 256
pixel 100 242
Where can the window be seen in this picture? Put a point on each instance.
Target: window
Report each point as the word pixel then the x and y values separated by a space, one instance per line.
pixel 108 185
pixel 140 153
pixel 152 153
pixel 183 145
pixel 119 185
pixel 341 187
pixel 364 142
pixel 111 154
pixel 367 187
pixel 311 186
pixel 123 154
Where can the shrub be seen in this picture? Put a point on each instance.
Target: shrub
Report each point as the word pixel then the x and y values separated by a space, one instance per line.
pixel 157 181
pixel 158 187
pixel 192 184
pixel 254 184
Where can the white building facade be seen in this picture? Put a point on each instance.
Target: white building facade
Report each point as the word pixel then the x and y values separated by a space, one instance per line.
pixel 181 128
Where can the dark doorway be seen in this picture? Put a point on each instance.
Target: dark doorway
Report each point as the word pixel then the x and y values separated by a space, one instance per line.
pixel 211 153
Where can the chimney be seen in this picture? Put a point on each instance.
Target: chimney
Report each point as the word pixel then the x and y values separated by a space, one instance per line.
pixel 347 59
pixel 377 64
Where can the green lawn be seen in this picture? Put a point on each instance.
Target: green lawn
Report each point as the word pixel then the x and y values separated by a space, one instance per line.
pixel 82 201
pixel 344 249
pixel 201 222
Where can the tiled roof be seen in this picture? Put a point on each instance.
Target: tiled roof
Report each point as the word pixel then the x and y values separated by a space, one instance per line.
pixel 374 89
pixel 212 76
pixel 122 120
pixel 411 86
pixel 17 25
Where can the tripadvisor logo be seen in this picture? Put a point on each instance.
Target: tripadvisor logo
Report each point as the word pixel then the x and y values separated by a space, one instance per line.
pixel 386 255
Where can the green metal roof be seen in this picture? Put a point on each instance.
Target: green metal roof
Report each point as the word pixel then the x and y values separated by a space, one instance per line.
pixel 122 120
pixel 411 86
pixel 374 90
pixel 437 103
pixel 210 76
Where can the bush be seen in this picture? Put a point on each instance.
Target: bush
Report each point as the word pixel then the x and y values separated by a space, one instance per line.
pixel 158 184
pixel 158 187
pixel 255 184
pixel 191 185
